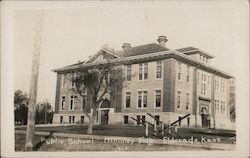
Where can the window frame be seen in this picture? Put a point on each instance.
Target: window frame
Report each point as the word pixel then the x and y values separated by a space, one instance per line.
pixel 126 100
pixel 74 102
pixel 178 92
pixel 179 71
pixel 187 101
pixel 62 109
pixel 129 72
pixel 142 72
pixel 142 91
pixel 155 97
pixel 188 74
pixel 158 65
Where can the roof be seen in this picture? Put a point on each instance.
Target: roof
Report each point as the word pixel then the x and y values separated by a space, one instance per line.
pixel 146 58
pixel 146 53
pixel 144 49
pixel 193 50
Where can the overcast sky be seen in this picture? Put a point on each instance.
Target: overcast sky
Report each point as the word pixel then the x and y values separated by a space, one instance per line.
pixel 73 34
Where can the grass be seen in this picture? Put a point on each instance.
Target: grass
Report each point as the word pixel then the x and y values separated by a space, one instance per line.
pixel 137 131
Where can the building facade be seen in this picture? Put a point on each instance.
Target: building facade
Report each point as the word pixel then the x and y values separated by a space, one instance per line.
pixel 166 83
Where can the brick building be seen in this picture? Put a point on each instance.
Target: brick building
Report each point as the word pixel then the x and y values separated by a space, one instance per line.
pixel 164 82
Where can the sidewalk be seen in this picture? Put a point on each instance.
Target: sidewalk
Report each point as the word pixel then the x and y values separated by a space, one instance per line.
pixel 211 146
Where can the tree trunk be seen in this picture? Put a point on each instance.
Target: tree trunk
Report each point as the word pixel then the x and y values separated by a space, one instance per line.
pixel 92 120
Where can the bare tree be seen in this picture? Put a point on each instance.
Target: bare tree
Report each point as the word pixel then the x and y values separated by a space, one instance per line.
pixel 98 81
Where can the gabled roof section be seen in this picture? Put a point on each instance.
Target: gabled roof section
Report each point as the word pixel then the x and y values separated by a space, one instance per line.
pixel 193 50
pixel 104 49
pixel 144 49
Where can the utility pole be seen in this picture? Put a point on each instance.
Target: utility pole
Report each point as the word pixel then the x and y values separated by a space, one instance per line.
pixel 33 83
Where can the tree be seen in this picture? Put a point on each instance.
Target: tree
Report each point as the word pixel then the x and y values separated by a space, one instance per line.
pixel 98 81
pixel 44 112
pixel 20 105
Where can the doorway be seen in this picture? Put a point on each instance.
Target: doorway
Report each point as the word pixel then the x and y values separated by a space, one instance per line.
pixel 104 116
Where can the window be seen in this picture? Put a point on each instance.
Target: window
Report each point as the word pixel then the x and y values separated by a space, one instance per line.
pixel 61 119
pixel 188 121
pixel 223 108
pixel 217 84
pixel 82 119
pixel 70 119
pixel 179 71
pixel 73 102
pixel 129 73
pixel 203 84
pixel 142 99
pixel 188 73
pixel 178 99
pixel 125 120
pixel 158 98
pixel 63 81
pixel 217 107
pixel 198 77
pixel 179 120
pixel 145 99
pixel 187 101
pixel 143 118
pixel 63 103
pixel 204 92
pixel 222 85
pixel 158 69
pixel 140 71
pixel 128 99
pixel 138 118
pixel 143 71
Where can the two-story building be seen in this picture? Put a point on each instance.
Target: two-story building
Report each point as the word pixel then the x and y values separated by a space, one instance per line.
pixel 163 82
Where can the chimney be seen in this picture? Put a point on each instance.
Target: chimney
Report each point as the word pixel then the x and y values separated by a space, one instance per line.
pixel 162 40
pixel 126 46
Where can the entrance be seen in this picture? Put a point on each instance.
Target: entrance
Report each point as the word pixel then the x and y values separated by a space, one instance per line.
pixel 103 112
pixel 205 117
pixel 104 116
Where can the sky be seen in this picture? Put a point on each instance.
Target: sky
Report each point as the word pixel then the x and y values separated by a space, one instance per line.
pixel 74 33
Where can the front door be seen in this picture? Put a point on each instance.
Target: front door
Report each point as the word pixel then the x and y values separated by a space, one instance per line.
pixel 104 116
pixel 205 121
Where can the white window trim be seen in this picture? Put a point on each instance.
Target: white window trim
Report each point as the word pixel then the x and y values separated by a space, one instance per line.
pixel 138 90
pixel 126 70
pixel 73 102
pixel 188 74
pixel 143 78
pixel 161 70
pixel 177 99
pixel 123 120
pixel 61 102
pixel 188 101
pixel 155 98
pixel 62 81
pixel 125 99
pixel 179 64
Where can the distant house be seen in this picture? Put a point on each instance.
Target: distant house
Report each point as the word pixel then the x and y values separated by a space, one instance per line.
pixel 164 82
